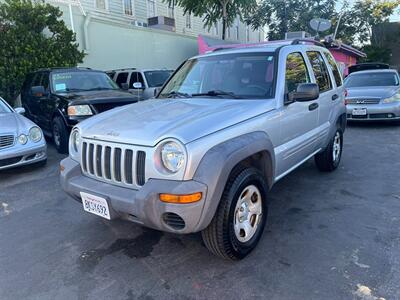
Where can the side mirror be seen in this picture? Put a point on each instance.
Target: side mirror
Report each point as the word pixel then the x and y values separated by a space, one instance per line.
pixel 137 85
pixel 38 91
pixel 305 92
pixel 19 110
pixel 125 86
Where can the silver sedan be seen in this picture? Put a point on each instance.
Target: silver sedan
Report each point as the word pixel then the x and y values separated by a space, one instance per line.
pixel 21 141
pixel 373 95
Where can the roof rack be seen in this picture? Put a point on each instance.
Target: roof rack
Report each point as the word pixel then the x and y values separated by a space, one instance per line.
pixel 300 41
pixel 122 69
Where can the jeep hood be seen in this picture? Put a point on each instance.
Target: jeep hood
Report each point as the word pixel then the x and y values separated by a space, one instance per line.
pixel 147 123
pixel 95 97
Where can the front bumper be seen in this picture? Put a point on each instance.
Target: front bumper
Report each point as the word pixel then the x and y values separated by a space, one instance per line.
pixel 140 206
pixel 375 112
pixel 20 155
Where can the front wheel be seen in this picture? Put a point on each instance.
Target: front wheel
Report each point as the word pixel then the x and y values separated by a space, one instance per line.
pixel 329 159
pixel 240 219
pixel 60 135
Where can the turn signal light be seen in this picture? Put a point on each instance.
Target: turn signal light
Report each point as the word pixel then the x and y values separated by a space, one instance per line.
pixel 180 199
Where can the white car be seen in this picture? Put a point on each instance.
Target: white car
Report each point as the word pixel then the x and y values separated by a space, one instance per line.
pixel 21 141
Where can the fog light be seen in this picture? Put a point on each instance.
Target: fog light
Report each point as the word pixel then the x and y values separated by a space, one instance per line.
pixel 180 199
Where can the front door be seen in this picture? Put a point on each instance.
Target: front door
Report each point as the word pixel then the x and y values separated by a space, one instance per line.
pixel 299 120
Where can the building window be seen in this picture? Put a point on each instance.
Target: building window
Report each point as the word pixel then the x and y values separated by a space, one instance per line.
pixel 101 4
pixel 188 21
pixel 171 10
pixel 128 7
pixel 248 33
pixel 151 8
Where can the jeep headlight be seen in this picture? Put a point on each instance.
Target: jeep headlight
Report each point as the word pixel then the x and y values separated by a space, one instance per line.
pixel 79 110
pixel 35 134
pixel 394 98
pixel 74 144
pixel 173 156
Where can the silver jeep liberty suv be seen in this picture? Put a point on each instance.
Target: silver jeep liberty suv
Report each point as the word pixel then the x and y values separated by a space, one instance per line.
pixel 203 155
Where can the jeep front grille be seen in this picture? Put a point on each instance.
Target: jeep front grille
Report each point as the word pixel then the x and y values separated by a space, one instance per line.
pixel 118 164
pixel 6 141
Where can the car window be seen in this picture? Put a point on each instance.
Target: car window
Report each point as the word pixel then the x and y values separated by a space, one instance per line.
pixel 4 107
pixel 37 79
pixel 157 78
pixel 238 75
pixel 320 71
pixel 79 81
pixel 111 74
pixel 335 69
pixel 372 79
pixel 136 77
pixel 122 78
pixel 45 81
pixel 296 72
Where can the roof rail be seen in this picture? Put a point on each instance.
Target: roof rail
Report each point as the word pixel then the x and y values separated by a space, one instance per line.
pixel 122 69
pixel 299 41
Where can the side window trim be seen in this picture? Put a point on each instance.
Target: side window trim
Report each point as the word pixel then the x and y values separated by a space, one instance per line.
pixel 306 65
pixel 311 50
pixel 325 56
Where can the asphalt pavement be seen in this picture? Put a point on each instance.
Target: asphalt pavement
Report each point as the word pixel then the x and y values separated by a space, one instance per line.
pixel 328 236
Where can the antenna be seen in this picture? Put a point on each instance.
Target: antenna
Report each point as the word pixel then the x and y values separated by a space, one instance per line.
pixel 320 25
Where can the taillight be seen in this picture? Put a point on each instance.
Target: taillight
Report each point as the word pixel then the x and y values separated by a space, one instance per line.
pixel 346 93
pixel 346 101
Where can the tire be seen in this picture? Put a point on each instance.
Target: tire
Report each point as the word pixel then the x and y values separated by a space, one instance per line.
pixel 223 237
pixel 60 135
pixel 329 159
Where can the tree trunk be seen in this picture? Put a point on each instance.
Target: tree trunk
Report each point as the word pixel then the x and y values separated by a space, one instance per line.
pixel 224 19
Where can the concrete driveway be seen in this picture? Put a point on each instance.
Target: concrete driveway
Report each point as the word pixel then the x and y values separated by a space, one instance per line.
pixel 329 236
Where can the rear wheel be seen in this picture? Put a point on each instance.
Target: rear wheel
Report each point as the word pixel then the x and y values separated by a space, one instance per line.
pixel 240 219
pixel 329 159
pixel 60 135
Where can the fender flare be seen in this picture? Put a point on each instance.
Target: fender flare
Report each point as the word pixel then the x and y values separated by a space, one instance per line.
pixel 218 163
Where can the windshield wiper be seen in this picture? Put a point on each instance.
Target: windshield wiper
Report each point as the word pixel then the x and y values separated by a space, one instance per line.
pixel 216 93
pixel 175 94
pixel 99 89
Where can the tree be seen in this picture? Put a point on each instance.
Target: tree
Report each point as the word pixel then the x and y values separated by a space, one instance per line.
pixel 214 10
pixel 360 19
pixel 283 16
pixel 32 36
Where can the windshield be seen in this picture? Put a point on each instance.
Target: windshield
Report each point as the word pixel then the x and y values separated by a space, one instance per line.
pixel 157 78
pixel 4 107
pixel 239 75
pixel 372 79
pixel 81 81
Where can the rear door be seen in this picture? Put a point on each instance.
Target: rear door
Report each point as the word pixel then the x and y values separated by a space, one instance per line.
pixel 299 120
pixel 34 105
pixel 328 92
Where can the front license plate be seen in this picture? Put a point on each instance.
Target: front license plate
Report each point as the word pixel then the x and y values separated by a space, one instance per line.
pixel 359 112
pixel 95 205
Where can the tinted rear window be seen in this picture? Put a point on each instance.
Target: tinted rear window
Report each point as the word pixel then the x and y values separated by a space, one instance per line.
pixel 372 79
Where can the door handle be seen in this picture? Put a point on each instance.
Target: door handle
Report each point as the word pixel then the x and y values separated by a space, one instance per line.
pixel 313 106
pixel 334 97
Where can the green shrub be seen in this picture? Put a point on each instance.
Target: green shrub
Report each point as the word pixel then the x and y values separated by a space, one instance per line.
pixel 32 36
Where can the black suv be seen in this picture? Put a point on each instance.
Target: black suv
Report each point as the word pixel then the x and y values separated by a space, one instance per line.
pixel 57 99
